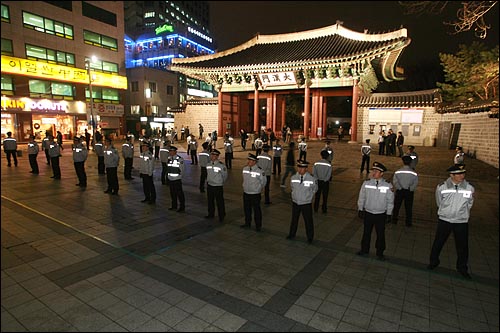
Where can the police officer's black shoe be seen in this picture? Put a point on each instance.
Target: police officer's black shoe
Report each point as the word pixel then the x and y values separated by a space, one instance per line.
pixel 172 208
pixel 381 257
pixel 145 200
pixel 209 216
pixel 180 210
pixel 432 266
pixel 361 253
pixel 258 229
pixel 245 226
pixel 290 237
pixel 107 191
pixel 465 274
pixel 310 241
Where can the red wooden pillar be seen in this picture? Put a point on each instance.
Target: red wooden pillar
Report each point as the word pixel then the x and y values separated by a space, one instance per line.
pixel 354 116
pixel 256 110
pixel 324 116
pixel 307 110
pixel 220 125
pixel 283 113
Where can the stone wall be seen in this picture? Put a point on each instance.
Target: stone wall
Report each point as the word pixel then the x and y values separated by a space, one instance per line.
pixel 204 114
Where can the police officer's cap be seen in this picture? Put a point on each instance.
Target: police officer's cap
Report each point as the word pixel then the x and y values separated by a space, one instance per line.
pixel 456 169
pixel 204 145
pixel 174 148
pixel 379 166
pixel 129 138
pixel 302 164
pixel 265 147
pixel 324 153
pixel 252 157
pixel 215 152
pixel 411 147
pixel 406 159
pixel 459 148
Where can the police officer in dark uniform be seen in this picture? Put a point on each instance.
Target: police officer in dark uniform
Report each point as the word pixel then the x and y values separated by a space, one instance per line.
pixel 277 152
pixel 254 179
pixel 111 161
pixel 164 161
pixel 80 154
pixel 33 154
pixel 216 177
pixel 375 205
pixel 128 156
pixel 175 170
pixel 55 154
pixel 405 182
pixel 99 150
pixel 454 199
pixel 204 158
pixel 304 186
pixel 322 171
pixel 146 169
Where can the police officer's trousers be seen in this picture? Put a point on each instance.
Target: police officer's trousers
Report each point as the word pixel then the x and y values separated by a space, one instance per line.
pixel 406 196
pixel 148 186
pixel 203 178
pixel 377 221
pixel 277 165
pixel 216 194
pixel 33 163
pixel 80 173
pixel 461 235
pixel 176 193
pixel 251 202
pixel 323 189
pixel 307 213
pixel 100 165
pixel 127 169
pixel 112 177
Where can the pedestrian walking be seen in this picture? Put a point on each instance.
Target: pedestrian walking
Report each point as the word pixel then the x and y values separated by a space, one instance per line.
pixel 277 152
pixel 228 149
pixel 146 170
pixel 322 171
pixel 33 154
pixel 200 130
pixel 254 179
pixel 111 162
pixel 10 149
pixel 290 163
pixel 375 205
pixel 454 199
pixel 59 139
pixel 405 181
pixel 304 186
pixel 99 151
pixel 175 171
pixel 303 150
pixel 80 154
pixel 216 177
pixel 243 137
pixel 87 139
pixel 265 163
pixel 381 142
pixel 128 158
pixel 400 139
pixel 366 150
pixel 459 156
pixel 193 150
pixel 55 154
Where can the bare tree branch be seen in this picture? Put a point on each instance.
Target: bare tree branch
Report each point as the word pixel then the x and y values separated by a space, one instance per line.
pixel 469 16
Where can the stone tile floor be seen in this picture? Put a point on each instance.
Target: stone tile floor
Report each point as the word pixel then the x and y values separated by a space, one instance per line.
pixel 82 260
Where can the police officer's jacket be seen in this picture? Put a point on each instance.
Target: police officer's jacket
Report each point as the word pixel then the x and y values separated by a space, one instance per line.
pixel 175 167
pixel 366 149
pixel 454 203
pixel 54 149
pixel 330 154
pixel 111 157
pixel 258 143
pixel 322 170
pixel 193 145
pixel 164 154
pixel 228 146
pixel 45 143
pixel 9 144
pixel 277 150
pixel 414 159
pixel 303 191
pixel 405 179
pixel 254 179
pixel 204 158
pixel 265 162
pixel 146 163
pixel 216 173
pixel 79 153
pixel 32 148
pixel 303 146
pixel 128 150
pixel 376 198
pixel 99 149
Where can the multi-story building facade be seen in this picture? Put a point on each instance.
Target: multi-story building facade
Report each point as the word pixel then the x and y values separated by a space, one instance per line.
pixel 54 54
pixel 157 32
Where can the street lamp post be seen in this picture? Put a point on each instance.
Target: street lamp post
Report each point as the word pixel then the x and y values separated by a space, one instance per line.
pixel 92 118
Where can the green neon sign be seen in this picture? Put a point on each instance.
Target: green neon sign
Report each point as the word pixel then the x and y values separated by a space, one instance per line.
pixel 164 28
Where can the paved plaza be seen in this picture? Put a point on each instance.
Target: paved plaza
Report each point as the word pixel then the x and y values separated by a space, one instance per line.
pixel 77 259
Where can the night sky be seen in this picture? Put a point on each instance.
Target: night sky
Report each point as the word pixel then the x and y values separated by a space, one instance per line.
pixel 235 22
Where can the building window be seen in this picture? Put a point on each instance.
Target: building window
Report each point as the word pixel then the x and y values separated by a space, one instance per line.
pixel 98 14
pixel 7 47
pixel 154 109
pixel 170 90
pixel 99 40
pixel 48 89
pixel 135 109
pixel 7 85
pixel 103 66
pixel 134 85
pixel 5 14
pixel 152 86
pixel 101 94
pixel 51 56
pixel 48 26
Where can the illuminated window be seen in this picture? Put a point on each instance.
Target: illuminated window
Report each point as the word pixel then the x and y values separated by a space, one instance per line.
pixel 134 86
pixel 48 89
pixel 47 26
pixel 5 15
pixel 51 56
pixel 103 94
pixel 7 84
pixel 99 40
